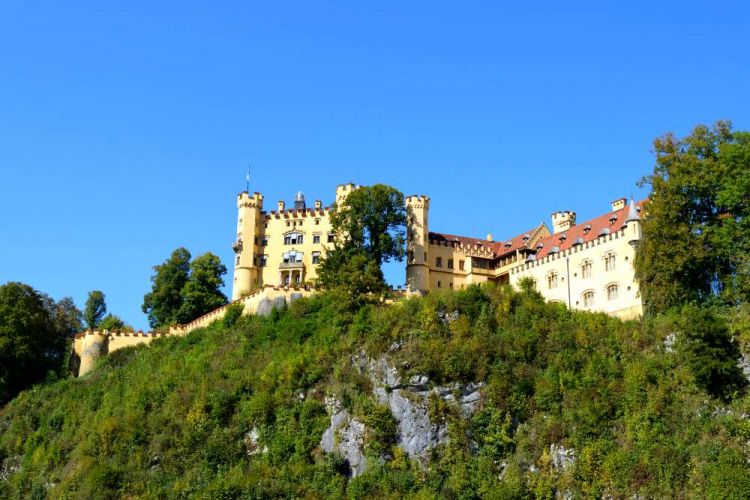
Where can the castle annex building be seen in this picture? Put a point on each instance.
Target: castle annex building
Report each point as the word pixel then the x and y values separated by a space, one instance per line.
pixel 585 265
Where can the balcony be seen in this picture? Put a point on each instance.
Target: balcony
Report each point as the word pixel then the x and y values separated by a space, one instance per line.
pixel 292 265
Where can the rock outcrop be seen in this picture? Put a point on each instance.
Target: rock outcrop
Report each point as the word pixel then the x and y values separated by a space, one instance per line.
pixel 408 403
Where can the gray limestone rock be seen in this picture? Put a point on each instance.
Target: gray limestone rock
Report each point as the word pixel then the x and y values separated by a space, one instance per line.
pixel 562 457
pixel 346 436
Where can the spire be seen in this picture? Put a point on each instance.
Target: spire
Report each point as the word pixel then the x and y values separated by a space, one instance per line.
pixel 632 212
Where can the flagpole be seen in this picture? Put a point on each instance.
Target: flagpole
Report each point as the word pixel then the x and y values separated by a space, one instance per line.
pixel 247 180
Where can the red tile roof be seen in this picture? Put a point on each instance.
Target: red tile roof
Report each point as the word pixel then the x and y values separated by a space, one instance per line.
pixel 613 221
pixel 498 248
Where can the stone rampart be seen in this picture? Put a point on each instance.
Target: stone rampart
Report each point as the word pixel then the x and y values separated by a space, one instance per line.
pixel 90 345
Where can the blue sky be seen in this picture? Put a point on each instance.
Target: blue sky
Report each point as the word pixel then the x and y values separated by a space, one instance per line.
pixel 126 127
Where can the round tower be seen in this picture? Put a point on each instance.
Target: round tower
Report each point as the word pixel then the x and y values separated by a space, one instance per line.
pixel 417 234
pixel 249 212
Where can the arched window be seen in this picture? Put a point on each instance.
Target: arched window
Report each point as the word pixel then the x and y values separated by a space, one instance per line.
pixel 612 292
pixel 586 269
pixel 609 262
pixel 588 298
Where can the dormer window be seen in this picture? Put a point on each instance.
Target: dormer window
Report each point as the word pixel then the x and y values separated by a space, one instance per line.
pixel 526 237
pixel 578 241
pixel 508 244
pixel 563 237
pixel 612 219
pixel 586 229
pixel 539 245
pixel 554 249
pixel 604 231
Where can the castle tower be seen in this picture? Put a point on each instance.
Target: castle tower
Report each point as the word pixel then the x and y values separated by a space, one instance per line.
pixel 562 221
pixel 417 233
pixel 634 228
pixel 249 208
pixel 343 190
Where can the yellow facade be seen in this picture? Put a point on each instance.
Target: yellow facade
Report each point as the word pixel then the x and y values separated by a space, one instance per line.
pixel 280 247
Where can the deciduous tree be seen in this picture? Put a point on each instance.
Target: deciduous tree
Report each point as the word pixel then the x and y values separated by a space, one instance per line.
pixel 30 344
pixel 696 244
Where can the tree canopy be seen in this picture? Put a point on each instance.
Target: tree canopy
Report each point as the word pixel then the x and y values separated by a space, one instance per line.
pixel 370 228
pixel 34 332
pixel 95 308
pixel 696 245
pixel 183 290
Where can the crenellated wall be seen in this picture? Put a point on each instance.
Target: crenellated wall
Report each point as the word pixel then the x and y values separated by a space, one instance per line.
pixel 90 345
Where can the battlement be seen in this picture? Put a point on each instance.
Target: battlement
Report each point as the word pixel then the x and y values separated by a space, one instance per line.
pixel 420 199
pixel 245 200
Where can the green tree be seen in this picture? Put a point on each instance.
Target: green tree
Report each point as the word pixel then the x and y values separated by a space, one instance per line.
pixel 370 225
pixel 67 317
pixel 163 302
pixel 183 290
pixel 95 308
pixel 705 345
pixel 30 344
pixel 202 291
pixel 113 323
pixel 696 244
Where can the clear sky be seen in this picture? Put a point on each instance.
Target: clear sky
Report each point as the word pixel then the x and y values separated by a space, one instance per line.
pixel 126 127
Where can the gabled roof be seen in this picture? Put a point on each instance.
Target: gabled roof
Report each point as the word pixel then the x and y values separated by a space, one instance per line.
pixel 587 231
pixel 498 248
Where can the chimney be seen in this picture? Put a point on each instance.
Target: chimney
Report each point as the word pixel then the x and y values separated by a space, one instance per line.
pixel 619 204
pixel 562 221
pixel 489 236
pixel 281 205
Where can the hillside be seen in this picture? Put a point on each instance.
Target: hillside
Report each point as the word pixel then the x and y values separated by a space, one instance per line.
pixel 491 392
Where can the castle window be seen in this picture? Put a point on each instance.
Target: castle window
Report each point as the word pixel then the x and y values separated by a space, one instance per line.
pixel 316 257
pixel 450 263
pixel 317 222
pixel 316 238
pixel 330 237
pixel 552 280
pixel 588 298
pixel 609 262
pixel 425 256
pixel 293 239
pixel 461 264
pixel 411 256
pixel 255 240
pixel 263 260
pixel 291 257
pixel 264 241
pixel 612 292
pixel 439 284
pixel 450 285
pixel 586 269
pixel 438 262
pixel 237 260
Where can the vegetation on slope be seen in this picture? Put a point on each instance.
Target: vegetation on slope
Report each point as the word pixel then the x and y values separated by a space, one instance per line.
pixel 173 419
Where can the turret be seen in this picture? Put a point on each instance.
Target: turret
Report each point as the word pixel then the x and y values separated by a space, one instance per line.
pixel 634 227
pixel 344 190
pixel 417 233
pixel 562 221
pixel 299 201
pixel 249 212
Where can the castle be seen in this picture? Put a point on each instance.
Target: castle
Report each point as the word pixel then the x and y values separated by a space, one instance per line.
pixel 587 266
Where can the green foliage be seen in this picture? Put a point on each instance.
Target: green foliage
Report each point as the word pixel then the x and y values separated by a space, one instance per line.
pixel 706 346
pixel 95 308
pixel 183 290
pixel 696 244
pixel 232 314
pixel 371 228
pixel 113 323
pixel 174 419
pixel 34 333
